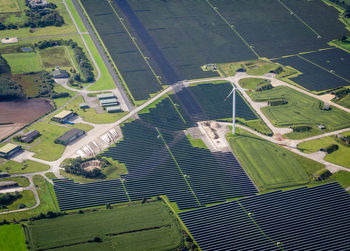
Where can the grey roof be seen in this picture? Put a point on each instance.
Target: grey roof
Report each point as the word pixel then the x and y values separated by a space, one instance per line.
pixel 105 96
pixel 32 134
pixel 69 134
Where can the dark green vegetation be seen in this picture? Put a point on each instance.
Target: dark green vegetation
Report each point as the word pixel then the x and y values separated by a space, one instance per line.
pixel 47 201
pixel 301 110
pixel 269 165
pixel 12 238
pixel 8 198
pixel 149 226
pixel 33 18
pixel 298 219
pixel 322 70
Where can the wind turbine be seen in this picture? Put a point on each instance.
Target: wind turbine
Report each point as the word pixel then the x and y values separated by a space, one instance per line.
pixel 233 93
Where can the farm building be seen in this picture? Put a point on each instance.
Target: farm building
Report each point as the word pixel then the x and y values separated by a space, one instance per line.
pixel 113 109
pixel 105 96
pixel 109 102
pixel 63 116
pixel 58 73
pixel 69 136
pixel 30 136
pixel 4 175
pixel 8 184
pixel 8 150
pixel 84 106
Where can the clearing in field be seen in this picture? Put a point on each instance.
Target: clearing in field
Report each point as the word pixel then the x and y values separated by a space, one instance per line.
pixel 301 109
pixel 12 238
pixel 9 6
pixel 339 156
pixel 149 226
pixel 56 56
pixel 269 165
pixel 23 62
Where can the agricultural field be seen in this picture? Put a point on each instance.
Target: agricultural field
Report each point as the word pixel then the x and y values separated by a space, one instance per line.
pixel 149 226
pixel 28 166
pixel 300 110
pixel 339 156
pixel 269 32
pixel 313 77
pixel 12 238
pixel 269 165
pixel 297 219
pixel 345 101
pixel 47 201
pixel 23 62
pixel 55 56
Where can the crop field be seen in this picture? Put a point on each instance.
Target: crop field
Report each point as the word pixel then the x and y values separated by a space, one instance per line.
pixel 150 226
pixel 313 78
pixel 283 170
pixel 211 99
pixel 23 62
pixel 299 219
pixel 12 238
pixel 56 56
pixel 273 31
pixel 301 109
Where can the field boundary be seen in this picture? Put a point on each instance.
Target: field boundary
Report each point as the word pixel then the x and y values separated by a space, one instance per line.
pixel 299 18
pixel 233 29
pixel 136 45
pixel 178 166
pixel 107 52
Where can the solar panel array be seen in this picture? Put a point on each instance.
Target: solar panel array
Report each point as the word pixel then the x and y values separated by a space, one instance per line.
pixel 316 218
pixel 71 195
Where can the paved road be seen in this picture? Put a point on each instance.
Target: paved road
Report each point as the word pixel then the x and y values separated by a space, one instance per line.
pixel 103 56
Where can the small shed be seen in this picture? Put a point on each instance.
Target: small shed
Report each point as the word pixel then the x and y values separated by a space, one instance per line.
pixel 105 96
pixel 84 106
pixel 8 150
pixel 8 184
pixel 113 109
pixel 58 73
pixel 69 136
pixel 30 136
pixel 63 116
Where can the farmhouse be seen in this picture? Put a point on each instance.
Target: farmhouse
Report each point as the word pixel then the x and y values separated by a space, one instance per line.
pixel 8 184
pixel 8 150
pixel 69 136
pixel 30 136
pixel 58 73
pixel 63 116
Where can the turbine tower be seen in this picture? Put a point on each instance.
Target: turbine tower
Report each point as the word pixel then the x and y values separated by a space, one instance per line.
pixel 233 93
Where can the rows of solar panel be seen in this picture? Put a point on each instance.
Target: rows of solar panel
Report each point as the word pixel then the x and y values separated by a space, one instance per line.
pixel 71 195
pixel 315 218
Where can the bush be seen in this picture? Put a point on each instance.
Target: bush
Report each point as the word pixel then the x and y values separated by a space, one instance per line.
pixel 60 95
pixel 301 128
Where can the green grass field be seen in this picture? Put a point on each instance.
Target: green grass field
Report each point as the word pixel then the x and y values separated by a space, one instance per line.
pixel 342 177
pixel 47 201
pixel 269 165
pixel 28 166
pixel 27 199
pixel 105 82
pixel 55 56
pixel 61 101
pixel 22 181
pixel 67 28
pixel 50 175
pixel 196 142
pixel 345 101
pixel 301 109
pixel 76 16
pixel 12 238
pixel 340 156
pixel 156 229
pixel 23 62
pixel 250 83
pixel 30 83
pixel 9 6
